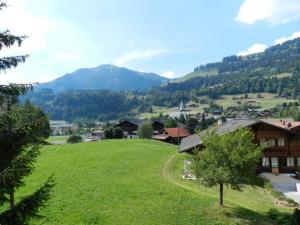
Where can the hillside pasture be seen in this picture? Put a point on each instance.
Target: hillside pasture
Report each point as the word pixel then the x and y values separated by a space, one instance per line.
pixel 130 182
pixel 266 101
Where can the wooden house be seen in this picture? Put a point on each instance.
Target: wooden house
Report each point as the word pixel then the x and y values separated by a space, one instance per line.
pixel 129 129
pixel 282 138
pixel 158 127
pixel 172 135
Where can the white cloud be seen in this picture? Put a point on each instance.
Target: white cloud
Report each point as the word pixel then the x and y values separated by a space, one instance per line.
pixel 67 56
pixel 256 48
pixel 19 22
pixel 169 74
pixel 270 11
pixel 138 55
pixel 284 39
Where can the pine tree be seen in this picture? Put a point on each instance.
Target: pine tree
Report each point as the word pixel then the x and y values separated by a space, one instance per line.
pixel 20 139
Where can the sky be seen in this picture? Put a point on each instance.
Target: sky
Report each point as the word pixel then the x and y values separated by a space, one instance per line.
pixel 169 37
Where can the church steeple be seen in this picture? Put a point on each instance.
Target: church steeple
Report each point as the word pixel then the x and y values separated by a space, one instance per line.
pixel 181 108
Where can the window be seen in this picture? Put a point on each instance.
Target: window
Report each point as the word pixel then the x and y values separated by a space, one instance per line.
pixel 262 141
pixel 265 162
pixel 290 161
pixel 271 142
pixel 298 161
pixel 267 142
pixel 280 142
pixel 274 162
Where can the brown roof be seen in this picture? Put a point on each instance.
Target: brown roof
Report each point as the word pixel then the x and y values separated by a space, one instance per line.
pixel 177 132
pixel 288 124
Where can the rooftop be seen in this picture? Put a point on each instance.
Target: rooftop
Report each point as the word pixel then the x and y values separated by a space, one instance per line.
pixel 177 132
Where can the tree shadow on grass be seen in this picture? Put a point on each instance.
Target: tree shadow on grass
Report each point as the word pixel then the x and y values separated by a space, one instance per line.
pixel 248 216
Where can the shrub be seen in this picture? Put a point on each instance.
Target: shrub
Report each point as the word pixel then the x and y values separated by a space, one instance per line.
pixel 280 217
pixel 296 217
pixel 117 133
pixel 74 139
pixel 145 131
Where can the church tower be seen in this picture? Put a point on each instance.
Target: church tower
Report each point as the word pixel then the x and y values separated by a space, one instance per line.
pixel 181 108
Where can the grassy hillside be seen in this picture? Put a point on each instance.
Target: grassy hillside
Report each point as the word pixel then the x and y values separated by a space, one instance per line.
pixel 266 101
pixel 202 73
pixel 134 182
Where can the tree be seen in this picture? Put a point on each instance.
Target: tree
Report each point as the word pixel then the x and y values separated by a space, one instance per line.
pixel 170 123
pixel 145 131
pixel 113 133
pixel 191 124
pixel 73 139
pixel 228 160
pixel 21 133
pixel 117 133
pixel 108 132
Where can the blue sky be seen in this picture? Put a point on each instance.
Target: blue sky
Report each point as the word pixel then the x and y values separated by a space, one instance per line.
pixel 168 37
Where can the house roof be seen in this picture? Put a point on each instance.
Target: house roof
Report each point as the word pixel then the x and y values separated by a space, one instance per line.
pixel 190 142
pixel 287 124
pixel 126 122
pixel 177 132
pixel 161 137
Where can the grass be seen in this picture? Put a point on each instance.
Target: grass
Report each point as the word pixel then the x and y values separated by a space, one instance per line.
pixel 134 182
pixel 202 73
pixel 266 102
pixel 55 139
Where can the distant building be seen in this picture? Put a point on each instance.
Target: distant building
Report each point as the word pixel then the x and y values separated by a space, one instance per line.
pixel 60 127
pixel 158 127
pixel 181 108
pixel 178 114
pixel 129 128
pixel 172 135
pixel 95 136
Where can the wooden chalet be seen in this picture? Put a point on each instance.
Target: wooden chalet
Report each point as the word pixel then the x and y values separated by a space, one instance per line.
pixel 158 127
pixel 129 129
pixel 281 136
pixel 172 135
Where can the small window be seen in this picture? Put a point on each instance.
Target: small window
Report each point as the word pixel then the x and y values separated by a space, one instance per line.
pixel 262 141
pixel 265 162
pixel 274 162
pixel 267 142
pixel 271 142
pixel 281 142
pixel 298 161
pixel 290 161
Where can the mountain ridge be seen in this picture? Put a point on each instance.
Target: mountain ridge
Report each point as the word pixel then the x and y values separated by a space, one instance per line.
pixel 104 77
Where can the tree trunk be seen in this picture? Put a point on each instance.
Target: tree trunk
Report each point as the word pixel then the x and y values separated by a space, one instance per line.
pixel 12 200
pixel 221 194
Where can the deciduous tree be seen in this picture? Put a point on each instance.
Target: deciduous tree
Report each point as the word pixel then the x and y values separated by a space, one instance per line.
pixel 228 159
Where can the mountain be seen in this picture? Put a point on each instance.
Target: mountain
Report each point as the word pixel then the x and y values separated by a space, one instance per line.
pixel 276 70
pixel 274 61
pixel 104 77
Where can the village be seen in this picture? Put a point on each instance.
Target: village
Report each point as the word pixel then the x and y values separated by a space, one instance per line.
pixel 280 162
pixel 149 112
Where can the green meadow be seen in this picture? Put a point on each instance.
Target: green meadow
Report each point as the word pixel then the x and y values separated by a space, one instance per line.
pixel 135 182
